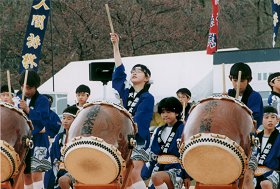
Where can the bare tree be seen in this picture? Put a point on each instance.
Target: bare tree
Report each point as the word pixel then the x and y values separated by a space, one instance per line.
pixel 80 29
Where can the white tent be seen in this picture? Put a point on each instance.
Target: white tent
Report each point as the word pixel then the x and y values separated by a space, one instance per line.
pixel 170 72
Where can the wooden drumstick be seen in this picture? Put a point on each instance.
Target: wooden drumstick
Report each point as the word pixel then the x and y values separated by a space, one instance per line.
pixel 109 18
pixel 224 78
pixel 9 83
pixel 24 84
pixel 238 84
pixel 184 111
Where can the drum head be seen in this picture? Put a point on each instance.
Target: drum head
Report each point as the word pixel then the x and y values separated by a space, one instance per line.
pixel 6 167
pixel 9 161
pixel 213 161
pixel 92 161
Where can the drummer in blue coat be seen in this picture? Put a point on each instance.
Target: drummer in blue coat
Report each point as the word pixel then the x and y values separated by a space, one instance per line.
pixel 164 166
pixel 58 177
pixel 36 107
pixel 139 102
pixel 247 95
pixel 267 153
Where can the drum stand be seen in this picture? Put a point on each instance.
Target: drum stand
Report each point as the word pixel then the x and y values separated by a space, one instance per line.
pixel 203 186
pixel 96 186
pixel 18 181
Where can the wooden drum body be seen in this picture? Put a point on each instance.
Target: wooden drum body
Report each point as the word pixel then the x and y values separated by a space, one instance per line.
pixel 101 139
pixel 216 140
pixel 15 140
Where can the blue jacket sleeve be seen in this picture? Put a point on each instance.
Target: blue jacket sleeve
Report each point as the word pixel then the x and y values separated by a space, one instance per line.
pixel 55 150
pixel 255 103
pixel 39 114
pixel 53 125
pixel 144 115
pixel 269 100
pixel 118 79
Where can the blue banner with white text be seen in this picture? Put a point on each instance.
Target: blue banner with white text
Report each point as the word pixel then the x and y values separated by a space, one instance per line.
pixel 34 35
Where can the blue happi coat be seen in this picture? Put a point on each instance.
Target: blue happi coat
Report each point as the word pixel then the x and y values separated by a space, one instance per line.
pixel 270 156
pixel 53 125
pixel 142 112
pixel 39 114
pixel 51 177
pixel 253 100
pixel 170 147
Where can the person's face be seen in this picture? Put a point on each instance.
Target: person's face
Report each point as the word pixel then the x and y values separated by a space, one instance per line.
pixel 183 98
pixel 67 120
pixel 82 98
pixel 270 120
pixel 29 91
pixel 243 84
pixel 276 84
pixel 138 76
pixel 5 97
pixel 169 117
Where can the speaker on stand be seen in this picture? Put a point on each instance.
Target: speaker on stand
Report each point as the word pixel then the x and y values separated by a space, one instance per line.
pixel 101 71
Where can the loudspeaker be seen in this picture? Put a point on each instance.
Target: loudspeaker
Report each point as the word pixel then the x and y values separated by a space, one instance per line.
pixel 101 71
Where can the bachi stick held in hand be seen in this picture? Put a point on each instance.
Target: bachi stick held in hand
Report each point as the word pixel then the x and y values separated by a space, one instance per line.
pixel 24 84
pixel 109 18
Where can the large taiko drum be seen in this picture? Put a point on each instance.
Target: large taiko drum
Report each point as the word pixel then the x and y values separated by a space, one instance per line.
pixel 15 140
pixel 100 143
pixel 216 141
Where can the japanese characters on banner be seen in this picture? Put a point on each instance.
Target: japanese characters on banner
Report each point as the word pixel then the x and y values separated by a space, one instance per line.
pixel 212 44
pixel 276 19
pixel 34 35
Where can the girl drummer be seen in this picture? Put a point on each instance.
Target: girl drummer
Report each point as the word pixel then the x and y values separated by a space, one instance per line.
pixel 164 164
pixel 139 102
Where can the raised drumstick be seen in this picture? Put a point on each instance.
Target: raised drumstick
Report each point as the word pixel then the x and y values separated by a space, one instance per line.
pixel 109 18
pixel 238 84
pixel 9 83
pixel 24 84
pixel 184 111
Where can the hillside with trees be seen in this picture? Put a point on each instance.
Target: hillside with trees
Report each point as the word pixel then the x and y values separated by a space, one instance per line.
pixel 79 29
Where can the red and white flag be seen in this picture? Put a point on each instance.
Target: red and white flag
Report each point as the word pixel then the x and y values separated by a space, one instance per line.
pixel 212 44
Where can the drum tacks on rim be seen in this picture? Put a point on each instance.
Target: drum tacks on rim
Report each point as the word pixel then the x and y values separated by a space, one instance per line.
pixel 100 143
pixel 15 140
pixel 216 140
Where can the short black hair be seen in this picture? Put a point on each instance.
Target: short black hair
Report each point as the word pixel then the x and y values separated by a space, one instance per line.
pixel 184 91
pixel 5 88
pixel 71 110
pixel 271 78
pixel 269 109
pixel 83 89
pixel 33 79
pixel 144 68
pixel 171 104
pixel 244 68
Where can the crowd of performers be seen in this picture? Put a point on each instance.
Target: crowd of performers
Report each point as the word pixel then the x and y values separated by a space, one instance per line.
pixel 155 158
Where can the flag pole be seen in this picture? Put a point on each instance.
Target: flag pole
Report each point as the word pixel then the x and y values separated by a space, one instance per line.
pixel 52 43
pixel 224 78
